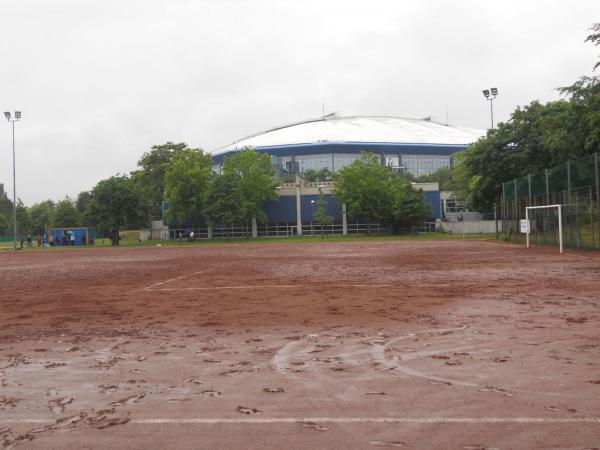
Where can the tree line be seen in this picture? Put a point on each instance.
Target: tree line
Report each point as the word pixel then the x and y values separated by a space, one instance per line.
pixel 183 178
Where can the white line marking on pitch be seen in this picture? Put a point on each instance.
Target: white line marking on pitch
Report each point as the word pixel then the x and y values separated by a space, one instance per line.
pixel 160 283
pixel 181 277
pixel 342 420
pixel 276 286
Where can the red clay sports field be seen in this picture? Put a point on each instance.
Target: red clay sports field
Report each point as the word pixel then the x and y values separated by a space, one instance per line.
pixel 354 344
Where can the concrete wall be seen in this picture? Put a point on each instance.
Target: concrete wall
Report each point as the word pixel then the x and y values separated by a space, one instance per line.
pixel 474 227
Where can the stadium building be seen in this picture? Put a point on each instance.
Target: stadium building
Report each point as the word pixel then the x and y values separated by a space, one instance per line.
pixel 416 146
pixel 419 146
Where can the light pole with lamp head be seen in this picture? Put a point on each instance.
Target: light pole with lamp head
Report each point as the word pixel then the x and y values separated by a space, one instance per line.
pixel 490 95
pixel 12 120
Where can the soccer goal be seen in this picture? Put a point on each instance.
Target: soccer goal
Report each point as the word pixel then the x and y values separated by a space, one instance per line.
pixel 544 224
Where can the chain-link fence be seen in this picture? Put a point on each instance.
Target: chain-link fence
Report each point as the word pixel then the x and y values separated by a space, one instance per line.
pixel 575 186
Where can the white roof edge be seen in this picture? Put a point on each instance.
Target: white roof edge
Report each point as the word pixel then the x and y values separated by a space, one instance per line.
pixel 334 117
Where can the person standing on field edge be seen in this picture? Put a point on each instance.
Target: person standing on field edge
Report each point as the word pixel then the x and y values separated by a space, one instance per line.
pixel 38 239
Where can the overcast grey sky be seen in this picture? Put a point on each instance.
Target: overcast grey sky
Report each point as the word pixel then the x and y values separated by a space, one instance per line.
pixel 99 83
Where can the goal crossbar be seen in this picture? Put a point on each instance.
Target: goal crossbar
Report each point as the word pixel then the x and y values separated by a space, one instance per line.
pixel 560 236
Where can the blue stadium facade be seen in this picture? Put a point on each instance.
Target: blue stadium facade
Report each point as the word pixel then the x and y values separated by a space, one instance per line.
pixel 416 146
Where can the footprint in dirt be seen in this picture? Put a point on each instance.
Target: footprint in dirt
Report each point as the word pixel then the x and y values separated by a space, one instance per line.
pixel 496 389
pixel 8 401
pixel 57 406
pixel 107 388
pixel 211 393
pixel 313 426
pixel 246 410
pixel 128 400
pixel 54 365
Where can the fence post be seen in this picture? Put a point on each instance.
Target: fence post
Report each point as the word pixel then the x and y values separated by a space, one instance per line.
pixel 597 192
pixel 577 231
pixel 569 182
pixel 503 210
pixel 568 211
pixel 590 207
pixel 298 207
pixel 547 189
pixel 254 228
pixel 529 186
pixel 516 209
pixel 496 220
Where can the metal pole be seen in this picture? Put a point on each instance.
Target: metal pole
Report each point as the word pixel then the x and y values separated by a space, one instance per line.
pixel 298 206
pixel 503 210
pixel 516 209
pixel 492 111
pixel 527 219
pixel 496 220
pixel 597 191
pixel 560 237
pixel 14 190
pixel 547 189
pixel 590 207
pixel 569 209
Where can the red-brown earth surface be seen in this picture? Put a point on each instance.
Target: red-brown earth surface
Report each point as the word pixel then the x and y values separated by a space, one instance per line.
pixel 363 344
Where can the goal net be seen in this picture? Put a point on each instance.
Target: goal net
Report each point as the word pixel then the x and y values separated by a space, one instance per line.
pixel 544 225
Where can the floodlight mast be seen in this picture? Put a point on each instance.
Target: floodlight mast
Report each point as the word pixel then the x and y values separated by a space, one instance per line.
pixel 16 118
pixel 491 97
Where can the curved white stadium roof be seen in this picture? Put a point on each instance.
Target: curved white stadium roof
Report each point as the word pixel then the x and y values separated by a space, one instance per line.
pixel 380 129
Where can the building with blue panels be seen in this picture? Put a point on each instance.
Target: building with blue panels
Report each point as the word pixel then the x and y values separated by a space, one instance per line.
pixel 418 146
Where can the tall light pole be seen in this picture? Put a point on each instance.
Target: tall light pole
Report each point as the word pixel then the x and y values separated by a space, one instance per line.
pixel 491 96
pixel 12 120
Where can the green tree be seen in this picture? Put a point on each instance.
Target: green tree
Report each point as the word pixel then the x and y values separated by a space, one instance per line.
pixel 366 187
pixel 6 205
pixel 442 176
pixel 41 215
pixel 257 181
pixel 117 203
pixel 23 221
pixel 320 215
pixel 323 174
pixel 4 225
pixel 410 208
pixel 151 175
pixel 187 180
pixel 65 214
pixel 376 193
pixel 594 38
pixel 224 200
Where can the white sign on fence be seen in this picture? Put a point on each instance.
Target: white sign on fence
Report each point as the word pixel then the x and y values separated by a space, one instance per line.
pixel 524 225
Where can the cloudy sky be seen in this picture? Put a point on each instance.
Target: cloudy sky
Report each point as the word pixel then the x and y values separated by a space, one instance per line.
pixel 101 82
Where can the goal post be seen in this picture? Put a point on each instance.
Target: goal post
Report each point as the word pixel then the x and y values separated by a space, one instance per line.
pixel 527 225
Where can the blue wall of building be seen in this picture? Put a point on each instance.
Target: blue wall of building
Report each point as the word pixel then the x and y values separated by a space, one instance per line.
pixel 434 199
pixel 284 209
